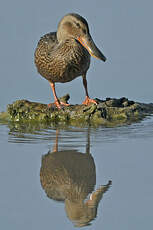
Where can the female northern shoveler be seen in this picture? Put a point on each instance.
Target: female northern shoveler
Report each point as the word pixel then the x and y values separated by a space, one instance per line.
pixel 64 55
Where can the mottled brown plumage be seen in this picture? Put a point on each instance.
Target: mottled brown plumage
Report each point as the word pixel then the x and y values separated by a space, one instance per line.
pixel 64 55
pixel 63 64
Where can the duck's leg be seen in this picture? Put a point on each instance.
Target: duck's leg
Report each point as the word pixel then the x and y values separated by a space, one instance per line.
pixel 87 100
pixel 57 102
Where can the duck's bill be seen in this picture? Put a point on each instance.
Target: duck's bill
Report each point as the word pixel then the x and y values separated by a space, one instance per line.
pixel 89 44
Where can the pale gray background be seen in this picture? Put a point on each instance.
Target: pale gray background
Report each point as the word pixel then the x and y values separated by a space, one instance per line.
pixel 121 29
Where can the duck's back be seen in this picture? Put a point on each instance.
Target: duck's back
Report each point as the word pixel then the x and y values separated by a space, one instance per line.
pixel 49 40
pixel 45 46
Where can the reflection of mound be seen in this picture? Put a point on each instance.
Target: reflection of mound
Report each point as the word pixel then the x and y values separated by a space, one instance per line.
pixel 68 175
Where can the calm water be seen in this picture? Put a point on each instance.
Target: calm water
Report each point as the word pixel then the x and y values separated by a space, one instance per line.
pixel 51 178
pixel 60 178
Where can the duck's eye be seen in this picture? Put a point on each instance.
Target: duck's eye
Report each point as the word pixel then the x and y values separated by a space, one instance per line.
pixel 78 25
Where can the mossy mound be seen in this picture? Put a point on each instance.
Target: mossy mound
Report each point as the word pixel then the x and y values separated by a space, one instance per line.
pixel 107 112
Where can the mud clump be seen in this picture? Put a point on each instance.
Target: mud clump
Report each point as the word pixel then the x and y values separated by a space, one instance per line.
pixel 111 111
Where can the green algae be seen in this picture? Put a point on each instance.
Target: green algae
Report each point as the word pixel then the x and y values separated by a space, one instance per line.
pixel 107 112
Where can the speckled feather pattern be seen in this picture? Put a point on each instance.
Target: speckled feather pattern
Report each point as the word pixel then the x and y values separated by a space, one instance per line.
pixel 61 62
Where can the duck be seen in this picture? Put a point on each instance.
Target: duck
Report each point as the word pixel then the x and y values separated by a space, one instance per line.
pixel 64 55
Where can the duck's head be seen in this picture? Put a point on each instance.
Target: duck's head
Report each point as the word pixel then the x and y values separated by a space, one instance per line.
pixel 73 26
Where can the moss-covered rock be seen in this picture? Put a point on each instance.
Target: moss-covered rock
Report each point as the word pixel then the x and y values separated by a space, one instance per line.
pixel 107 112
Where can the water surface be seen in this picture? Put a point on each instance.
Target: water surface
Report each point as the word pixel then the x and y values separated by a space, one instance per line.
pixel 51 178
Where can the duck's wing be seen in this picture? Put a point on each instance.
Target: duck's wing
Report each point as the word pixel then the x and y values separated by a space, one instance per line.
pixel 49 40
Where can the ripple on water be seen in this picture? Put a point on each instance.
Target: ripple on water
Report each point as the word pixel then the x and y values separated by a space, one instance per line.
pixel 72 135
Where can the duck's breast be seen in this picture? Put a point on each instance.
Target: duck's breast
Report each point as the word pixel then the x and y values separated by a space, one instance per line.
pixel 60 62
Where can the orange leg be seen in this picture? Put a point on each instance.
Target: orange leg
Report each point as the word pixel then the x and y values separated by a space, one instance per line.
pixel 55 147
pixel 57 102
pixel 87 100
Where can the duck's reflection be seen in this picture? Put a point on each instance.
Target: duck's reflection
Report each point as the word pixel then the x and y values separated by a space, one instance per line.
pixel 70 176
